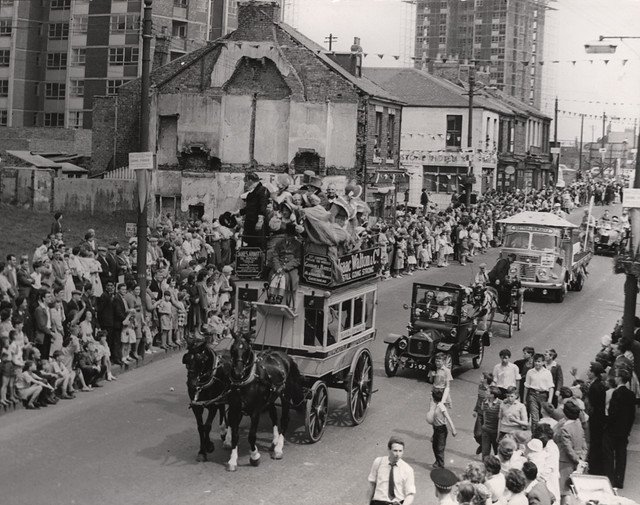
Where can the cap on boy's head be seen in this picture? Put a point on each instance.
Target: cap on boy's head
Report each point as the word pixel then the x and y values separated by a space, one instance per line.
pixel 443 479
pixel 252 177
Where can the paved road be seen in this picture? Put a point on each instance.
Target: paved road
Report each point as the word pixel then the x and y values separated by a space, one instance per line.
pixel 135 441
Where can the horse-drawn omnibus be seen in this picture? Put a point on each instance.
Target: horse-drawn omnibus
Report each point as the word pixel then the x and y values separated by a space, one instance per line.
pixel 325 323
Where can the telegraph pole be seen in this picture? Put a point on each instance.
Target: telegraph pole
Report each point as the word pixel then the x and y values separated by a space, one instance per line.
pixel 330 40
pixel 143 176
pixel 581 138
pixel 468 185
pixel 555 141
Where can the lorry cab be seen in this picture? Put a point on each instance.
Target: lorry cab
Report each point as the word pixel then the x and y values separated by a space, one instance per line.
pixel 551 254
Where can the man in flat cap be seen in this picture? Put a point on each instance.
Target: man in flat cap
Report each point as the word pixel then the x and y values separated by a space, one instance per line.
pixel 621 414
pixel 444 480
pixel 391 480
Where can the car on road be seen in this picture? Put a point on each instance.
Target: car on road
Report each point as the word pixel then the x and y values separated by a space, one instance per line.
pixel 442 319
pixel 609 237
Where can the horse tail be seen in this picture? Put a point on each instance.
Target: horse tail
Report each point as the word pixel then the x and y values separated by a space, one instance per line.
pixel 294 384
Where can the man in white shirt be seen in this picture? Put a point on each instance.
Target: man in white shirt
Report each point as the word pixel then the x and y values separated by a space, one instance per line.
pixel 505 373
pixel 391 480
pixel 538 389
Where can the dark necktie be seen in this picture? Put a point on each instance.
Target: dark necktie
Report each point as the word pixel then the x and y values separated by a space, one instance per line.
pixel 392 484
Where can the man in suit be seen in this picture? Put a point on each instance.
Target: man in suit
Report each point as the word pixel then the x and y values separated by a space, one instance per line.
pixel 255 211
pixel 536 490
pixel 596 402
pixel 25 281
pixel 106 320
pixel 44 331
pixel 120 310
pixel 619 421
pixel 569 437
pixel 108 273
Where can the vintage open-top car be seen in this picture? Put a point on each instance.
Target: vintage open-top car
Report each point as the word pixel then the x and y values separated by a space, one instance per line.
pixel 442 319
pixel 609 237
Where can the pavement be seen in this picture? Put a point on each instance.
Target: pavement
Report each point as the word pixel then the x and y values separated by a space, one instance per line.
pixel 135 441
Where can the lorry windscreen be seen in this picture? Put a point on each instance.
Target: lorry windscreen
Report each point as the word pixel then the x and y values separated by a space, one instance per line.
pixel 517 240
pixel 540 242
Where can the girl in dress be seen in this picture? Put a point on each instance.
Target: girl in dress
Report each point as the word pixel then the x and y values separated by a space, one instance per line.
pixel 128 335
pixel 164 312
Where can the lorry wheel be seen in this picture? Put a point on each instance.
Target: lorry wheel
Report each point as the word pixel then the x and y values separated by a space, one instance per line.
pixel 579 284
pixel 391 360
pixel 559 294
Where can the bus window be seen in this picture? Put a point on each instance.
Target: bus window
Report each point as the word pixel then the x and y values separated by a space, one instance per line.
pixel 333 325
pixel 540 242
pixel 345 315
pixel 358 310
pixel 370 302
pixel 517 240
pixel 313 327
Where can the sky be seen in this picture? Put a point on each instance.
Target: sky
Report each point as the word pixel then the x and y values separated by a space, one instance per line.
pixel 384 28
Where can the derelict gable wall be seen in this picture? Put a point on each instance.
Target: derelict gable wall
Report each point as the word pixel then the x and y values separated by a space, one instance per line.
pixel 94 195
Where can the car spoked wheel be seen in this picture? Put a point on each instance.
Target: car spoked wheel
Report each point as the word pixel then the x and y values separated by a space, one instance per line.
pixel 391 360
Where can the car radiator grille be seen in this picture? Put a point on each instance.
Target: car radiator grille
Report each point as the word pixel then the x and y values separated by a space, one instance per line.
pixel 419 347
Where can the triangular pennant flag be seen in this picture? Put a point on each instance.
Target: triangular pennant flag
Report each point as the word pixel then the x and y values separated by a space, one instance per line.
pixel 541 63
pixel 396 57
pixel 624 62
pixel 380 56
pixel 573 63
pixel 525 63
pixel 606 62
pixel 366 54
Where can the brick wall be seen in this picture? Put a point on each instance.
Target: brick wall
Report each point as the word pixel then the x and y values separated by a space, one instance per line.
pixel 70 141
pixel 255 20
pixel 116 128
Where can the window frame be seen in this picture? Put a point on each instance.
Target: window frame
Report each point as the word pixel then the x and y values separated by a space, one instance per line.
pixel 6 27
pixel 4 117
pixel 60 64
pixel 49 116
pixel 58 31
pixel 55 90
pixel 5 57
pixel 76 60
pixel 454 143
pixel 4 87
pixel 76 87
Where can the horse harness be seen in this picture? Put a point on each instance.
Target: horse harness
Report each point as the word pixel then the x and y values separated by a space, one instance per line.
pixel 222 397
pixel 255 366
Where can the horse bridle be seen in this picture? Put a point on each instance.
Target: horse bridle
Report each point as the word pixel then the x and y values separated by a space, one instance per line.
pixel 248 371
pixel 211 380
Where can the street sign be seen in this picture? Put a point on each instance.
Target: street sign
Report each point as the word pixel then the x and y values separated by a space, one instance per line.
pixel 510 170
pixel 141 161
pixel 631 198
pixel 555 150
pixel 130 230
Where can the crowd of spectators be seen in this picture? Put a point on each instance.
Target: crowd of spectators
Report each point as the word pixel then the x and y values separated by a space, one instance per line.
pixel 70 312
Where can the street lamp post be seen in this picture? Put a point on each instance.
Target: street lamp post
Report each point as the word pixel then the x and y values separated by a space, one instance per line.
pixel 628 265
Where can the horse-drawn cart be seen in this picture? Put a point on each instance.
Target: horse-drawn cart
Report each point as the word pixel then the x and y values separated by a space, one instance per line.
pixel 325 325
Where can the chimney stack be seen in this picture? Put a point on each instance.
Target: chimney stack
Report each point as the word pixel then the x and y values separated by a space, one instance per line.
pixel 248 11
pixel 351 62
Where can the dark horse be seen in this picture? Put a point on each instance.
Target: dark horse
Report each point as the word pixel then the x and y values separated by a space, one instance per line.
pixel 208 372
pixel 257 381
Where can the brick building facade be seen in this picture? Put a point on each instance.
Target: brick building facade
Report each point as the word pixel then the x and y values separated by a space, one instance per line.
pixel 264 97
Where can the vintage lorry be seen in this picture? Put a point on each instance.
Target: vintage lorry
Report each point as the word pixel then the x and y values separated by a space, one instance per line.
pixel 551 253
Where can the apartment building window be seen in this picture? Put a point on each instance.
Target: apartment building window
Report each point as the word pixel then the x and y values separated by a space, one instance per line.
pixel 6 2
pixel 179 29
pixel 60 4
pixel 54 90
pixel 123 55
pixel 75 118
pixel 113 85
pixel 125 23
pixel 4 118
pixel 56 61
pixel 4 88
pixel 181 3
pixel 59 31
pixel 233 8
pixel 76 87
pixel 80 24
pixel 5 27
pixel 78 57
pixel 5 58
pixel 454 131
pixel 54 119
